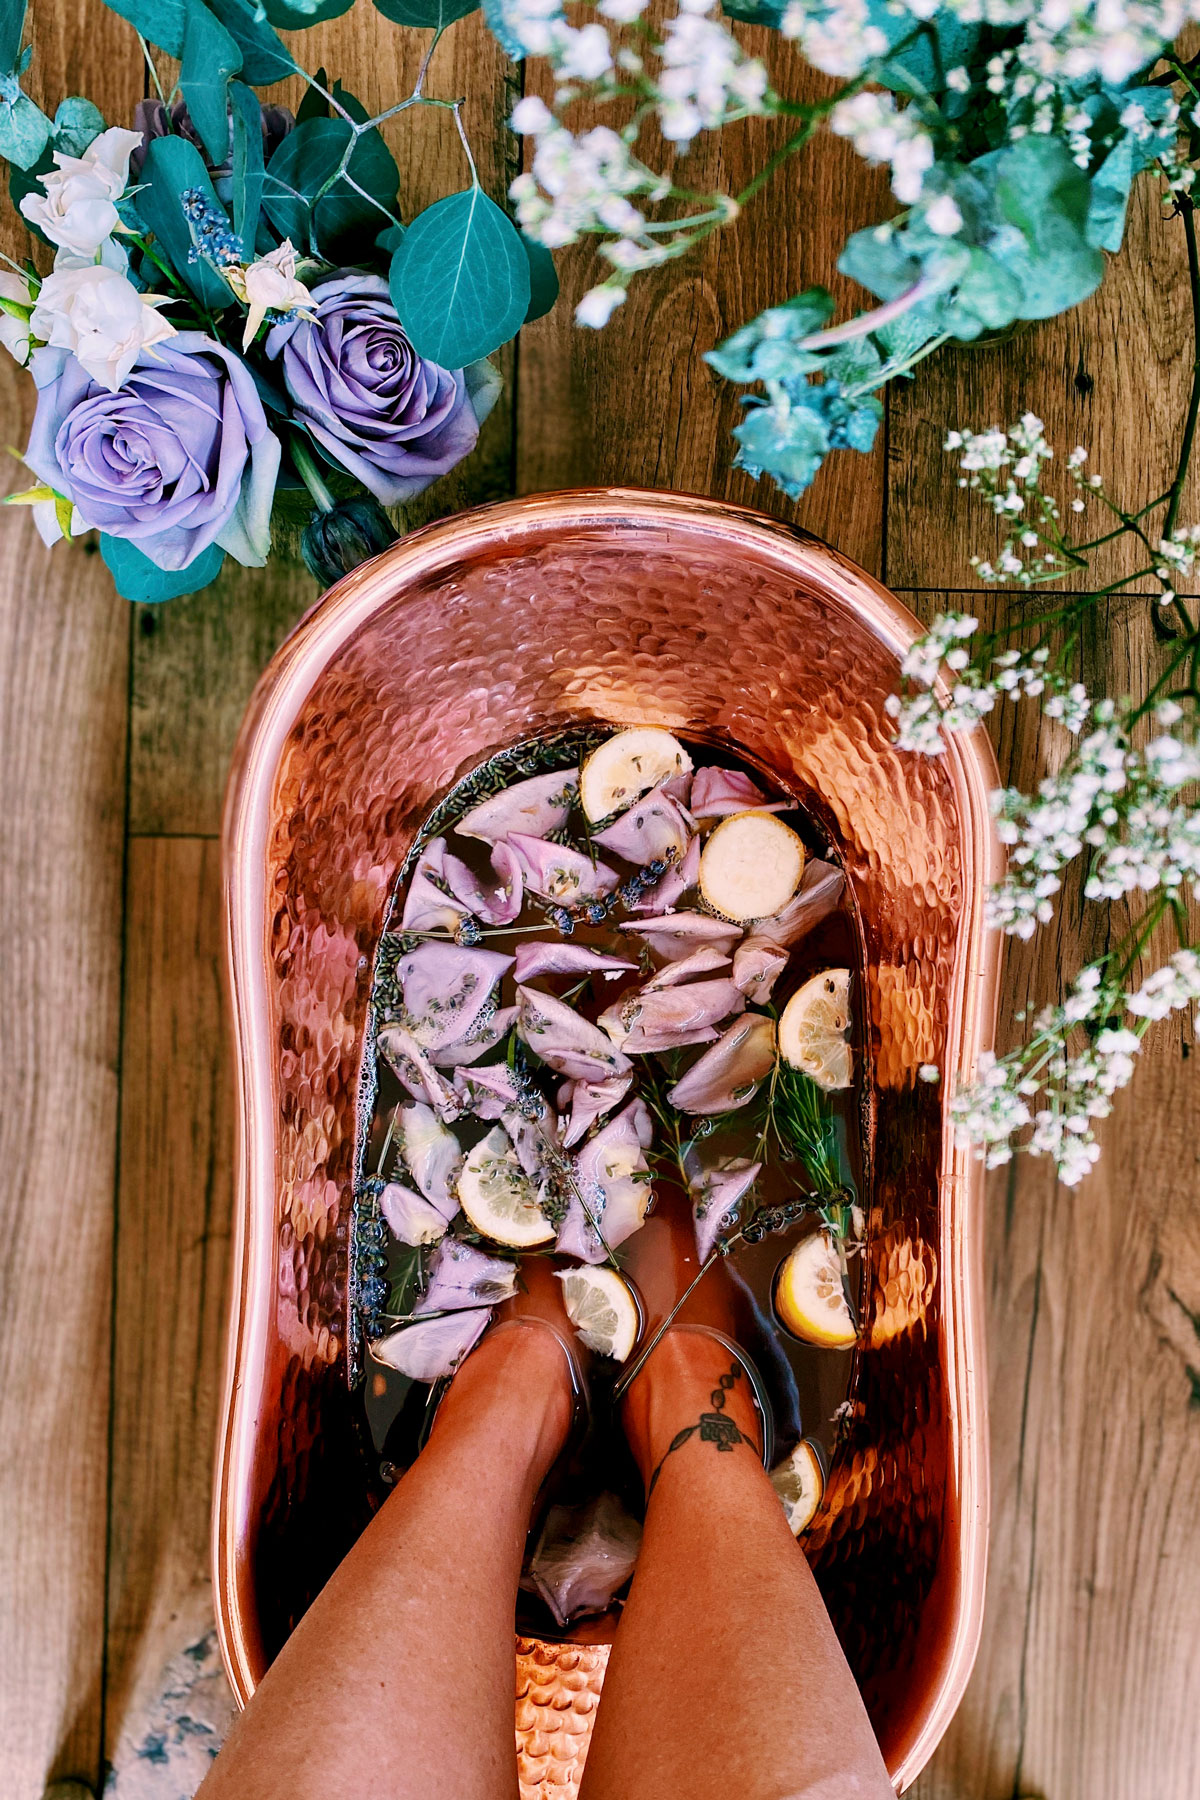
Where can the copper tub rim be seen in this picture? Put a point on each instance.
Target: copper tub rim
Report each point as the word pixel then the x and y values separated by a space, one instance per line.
pixel 274 708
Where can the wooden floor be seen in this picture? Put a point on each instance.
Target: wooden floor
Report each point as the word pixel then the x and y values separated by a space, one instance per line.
pixel 115 727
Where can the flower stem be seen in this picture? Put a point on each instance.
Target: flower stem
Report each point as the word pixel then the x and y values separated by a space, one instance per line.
pixel 1188 213
pixel 306 468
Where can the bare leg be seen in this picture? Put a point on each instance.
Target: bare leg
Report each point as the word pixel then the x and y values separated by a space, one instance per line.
pixel 399 1681
pixel 726 1677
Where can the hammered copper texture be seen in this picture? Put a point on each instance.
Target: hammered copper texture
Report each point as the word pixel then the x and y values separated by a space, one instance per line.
pixel 558 1690
pixel 471 636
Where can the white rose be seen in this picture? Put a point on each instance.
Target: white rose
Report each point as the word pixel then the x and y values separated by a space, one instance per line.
pixel 14 333
pixel 268 285
pixel 76 209
pixel 98 314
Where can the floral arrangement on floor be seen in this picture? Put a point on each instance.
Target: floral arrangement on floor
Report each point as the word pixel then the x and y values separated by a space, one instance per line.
pixel 237 312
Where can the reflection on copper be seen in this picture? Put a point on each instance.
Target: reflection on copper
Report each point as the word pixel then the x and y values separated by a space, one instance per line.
pixel 486 629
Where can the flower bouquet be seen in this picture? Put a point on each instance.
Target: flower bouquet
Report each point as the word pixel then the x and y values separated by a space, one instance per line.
pixel 220 325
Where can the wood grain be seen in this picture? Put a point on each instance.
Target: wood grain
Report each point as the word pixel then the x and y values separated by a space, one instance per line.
pixel 64 659
pixel 196 661
pixel 1112 375
pixel 172 1267
pixel 635 404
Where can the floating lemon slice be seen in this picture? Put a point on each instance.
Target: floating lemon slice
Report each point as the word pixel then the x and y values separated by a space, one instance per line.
pixel 601 1307
pixel 814 1032
pixel 626 766
pixel 751 866
pixel 799 1480
pixel 499 1198
pixel 810 1295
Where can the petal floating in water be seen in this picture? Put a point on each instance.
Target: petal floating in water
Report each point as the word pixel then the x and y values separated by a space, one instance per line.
pixel 413 1069
pixel 428 904
pixel 677 934
pixel 489 1029
pixel 410 1217
pixel 432 1155
pixel 556 872
pixel 537 806
pixel 432 1347
pixel 655 827
pixel 670 1018
pixel 489 1091
pixel 670 888
pixel 727 1075
pixel 612 1189
pixel 494 903
pixel 462 1276
pixel 698 962
pixel 446 987
pixel 757 966
pixel 564 1040
pixel 717 1195
pixel 589 1101
pixel 554 957
pixel 819 892
pixel 716 792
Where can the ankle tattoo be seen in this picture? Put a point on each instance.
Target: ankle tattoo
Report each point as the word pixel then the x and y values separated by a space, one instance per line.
pixel 715 1427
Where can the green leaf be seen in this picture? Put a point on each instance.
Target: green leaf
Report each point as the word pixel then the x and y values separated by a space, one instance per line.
pixel 543 279
pixel 77 123
pixel 944 43
pixel 789 446
pixel 1044 197
pixel 173 165
pixel 139 578
pixel 286 16
pixel 765 349
pixel 210 57
pixel 1128 156
pixel 12 30
pixel 388 240
pixel 314 105
pixel 264 58
pixel 305 161
pixel 460 280
pixel 247 163
pixel 162 21
pixel 25 181
pixel 24 128
pixel 756 12
pixel 426 15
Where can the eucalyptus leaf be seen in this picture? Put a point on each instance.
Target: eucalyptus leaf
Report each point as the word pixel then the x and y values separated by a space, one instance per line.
pixel 766 348
pixel 12 30
pixel 286 16
pixel 139 578
pixel 543 279
pixel 299 172
pixel 163 22
pixel 24 128
pixel 460 280
pixel 426 15
pixel 172 165
pixel 264 58
pixel 756 12
pixel 210 57
pixel 247 162
pixel 788 446
pixel 942 43
pixel 77 123
pixel 313 104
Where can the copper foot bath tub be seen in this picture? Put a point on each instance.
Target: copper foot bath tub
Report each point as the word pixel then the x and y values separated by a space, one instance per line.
pixel 620 607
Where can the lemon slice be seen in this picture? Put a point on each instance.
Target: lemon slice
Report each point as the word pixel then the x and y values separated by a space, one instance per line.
pixel 499 1198
pixel 810 1295
pixel 627 765
pixel 751 866
pixel 814 1032
pixel 601 1307
pixel 799 1480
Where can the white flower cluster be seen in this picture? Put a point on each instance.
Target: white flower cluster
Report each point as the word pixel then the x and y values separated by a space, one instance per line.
pixel 1005 468
pixel 706 79
pixel 581 53
pixel 969 691
pixel 1065 40
pixel 881 133
pixel 1126 806
pixel 1057 1094
pixel 87 305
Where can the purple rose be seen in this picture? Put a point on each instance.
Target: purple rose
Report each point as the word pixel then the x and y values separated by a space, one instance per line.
pixel 379 410
pixel 153 118
pixel 180 457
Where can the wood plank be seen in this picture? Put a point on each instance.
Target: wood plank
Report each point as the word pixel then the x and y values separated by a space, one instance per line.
pixel 172 1268
pixel 1112 375
pixel 196 659
pixel 1084 1688
pixel 635 403
pixel 64 662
